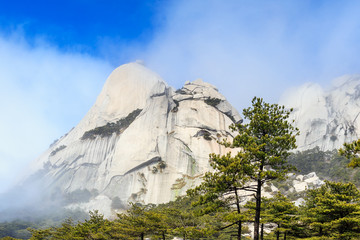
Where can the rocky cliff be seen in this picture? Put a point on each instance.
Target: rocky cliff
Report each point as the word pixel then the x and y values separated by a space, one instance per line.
pixel 141 141
pixel 326 118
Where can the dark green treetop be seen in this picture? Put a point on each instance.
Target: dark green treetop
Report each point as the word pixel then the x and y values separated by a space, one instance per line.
pixel 351 151
pixel 333 211
pixel 265 141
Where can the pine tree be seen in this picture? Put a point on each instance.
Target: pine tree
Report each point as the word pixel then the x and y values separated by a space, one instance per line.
pixel 184 220
pixel 96 227
pixel 265 141
pixel 333 211
pixel 264 144
pixel 222 189
pixel 351 151
pixel 281 211
pixel 137 222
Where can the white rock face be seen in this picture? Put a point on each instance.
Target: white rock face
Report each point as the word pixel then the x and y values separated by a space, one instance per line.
pixel 326 118
pixel 141 141
pixel 299 202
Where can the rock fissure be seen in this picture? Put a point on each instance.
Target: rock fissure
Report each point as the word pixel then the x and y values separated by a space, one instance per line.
pixel 144 164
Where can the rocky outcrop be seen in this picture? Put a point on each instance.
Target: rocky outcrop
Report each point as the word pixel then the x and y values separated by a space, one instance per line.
pixel 326 118
pixel 141 141
pixel 294 187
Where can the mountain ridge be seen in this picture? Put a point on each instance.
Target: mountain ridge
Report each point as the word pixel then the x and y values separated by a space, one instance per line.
pixel 141 141
pixel 326 119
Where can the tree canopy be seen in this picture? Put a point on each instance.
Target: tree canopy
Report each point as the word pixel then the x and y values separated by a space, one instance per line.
pixel 333 211
pixel 351 151
pixel 263 145
pixel 265 141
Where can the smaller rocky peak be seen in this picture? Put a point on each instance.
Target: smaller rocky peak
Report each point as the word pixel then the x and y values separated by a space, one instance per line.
pixel 201 83
pixel 199 90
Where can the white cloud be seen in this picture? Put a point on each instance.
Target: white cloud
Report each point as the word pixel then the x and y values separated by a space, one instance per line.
pixel 261 48
pixel 43 94
pixel 245 48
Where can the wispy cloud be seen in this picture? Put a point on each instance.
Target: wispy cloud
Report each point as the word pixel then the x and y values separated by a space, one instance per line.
pixel 261 48
pixel 43 94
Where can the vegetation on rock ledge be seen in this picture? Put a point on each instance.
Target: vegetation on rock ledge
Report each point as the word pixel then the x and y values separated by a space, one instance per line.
pixel 110 128
pixel 57 150
pixel 327 165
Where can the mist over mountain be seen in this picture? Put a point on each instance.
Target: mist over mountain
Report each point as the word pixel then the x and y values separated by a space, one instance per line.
pixel 326 118
pixel 143 141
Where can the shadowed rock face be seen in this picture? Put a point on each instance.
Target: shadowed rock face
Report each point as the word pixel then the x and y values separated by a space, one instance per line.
pixel 141 141
pixel 326 118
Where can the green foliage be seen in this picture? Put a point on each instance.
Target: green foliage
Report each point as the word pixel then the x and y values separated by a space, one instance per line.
pixel 333 211
pixel 95 228
pixel 16 229
pixel 136 222
pixel 281 211
pixel 19 228
pixel 110 128
pixel 351 151
pixel 162 165
pixel 278 211
pixel 220 189
pixel 327 165
pixel 9 238
pixel 215 209
pixel 165 221
pixel 176 218
pixel 265 142
pixel 266 139
pixel 311 160
pixel 185 221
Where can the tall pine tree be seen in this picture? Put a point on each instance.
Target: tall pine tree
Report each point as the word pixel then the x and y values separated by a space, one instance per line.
pixel 222 189
pixel 333 211
pixel 265 141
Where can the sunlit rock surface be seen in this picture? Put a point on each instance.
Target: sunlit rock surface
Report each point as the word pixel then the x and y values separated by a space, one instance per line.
pixel 326 118
pixel 141 141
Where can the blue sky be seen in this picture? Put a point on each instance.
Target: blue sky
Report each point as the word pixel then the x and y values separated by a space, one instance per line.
pixel 81 25
pixel 56 55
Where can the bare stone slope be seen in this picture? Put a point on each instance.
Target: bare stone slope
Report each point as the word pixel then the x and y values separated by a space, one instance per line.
pixel 141 141
pixel 326 118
